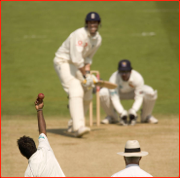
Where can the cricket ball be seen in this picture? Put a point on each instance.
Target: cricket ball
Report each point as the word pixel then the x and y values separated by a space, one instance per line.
pixel 41 96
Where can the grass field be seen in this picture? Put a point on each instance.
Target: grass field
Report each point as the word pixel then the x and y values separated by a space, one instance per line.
pixel 144 32
pixel 147 33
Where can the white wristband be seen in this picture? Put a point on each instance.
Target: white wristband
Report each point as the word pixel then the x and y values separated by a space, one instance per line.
pixel 39 110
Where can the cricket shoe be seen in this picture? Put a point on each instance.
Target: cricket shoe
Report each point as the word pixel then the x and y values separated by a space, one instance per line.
pixel 108 120
pixel 82 131
pixel 123 121
pixel 151 120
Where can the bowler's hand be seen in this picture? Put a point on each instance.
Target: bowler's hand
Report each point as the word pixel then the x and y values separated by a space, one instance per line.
pixel 39 103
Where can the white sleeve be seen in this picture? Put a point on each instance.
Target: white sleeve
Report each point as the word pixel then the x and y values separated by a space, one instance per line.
pixel 138 99
pixel 88 59
pixel 115 101
pixel 76 48
pixel 43 142
pixel 137 103
pixel 114 94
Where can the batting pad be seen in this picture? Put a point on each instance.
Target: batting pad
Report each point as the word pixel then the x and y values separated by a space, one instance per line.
pixel 148 105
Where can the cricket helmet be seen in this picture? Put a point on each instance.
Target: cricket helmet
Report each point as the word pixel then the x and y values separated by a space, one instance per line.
pixel 124 65
pixel 93 16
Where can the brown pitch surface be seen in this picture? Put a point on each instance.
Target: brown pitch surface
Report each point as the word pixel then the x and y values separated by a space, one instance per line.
pixel 94 155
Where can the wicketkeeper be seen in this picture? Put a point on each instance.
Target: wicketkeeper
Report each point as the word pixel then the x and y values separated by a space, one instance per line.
pixel 75 54
pixel 130 86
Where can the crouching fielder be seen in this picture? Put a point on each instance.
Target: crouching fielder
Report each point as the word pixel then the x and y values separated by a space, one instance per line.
pixel 75 55
pixel 130 86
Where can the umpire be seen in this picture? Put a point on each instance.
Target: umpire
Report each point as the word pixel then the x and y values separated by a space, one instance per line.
pixel 132 156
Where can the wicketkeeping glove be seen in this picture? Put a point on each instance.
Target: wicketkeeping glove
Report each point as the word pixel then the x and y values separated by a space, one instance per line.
pixel 124 113
pixel 132 116
pixel 123 118
pixel 132 112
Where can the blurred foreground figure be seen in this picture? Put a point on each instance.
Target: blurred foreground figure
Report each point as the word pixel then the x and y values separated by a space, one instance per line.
pixel 41 160
pixel 132 156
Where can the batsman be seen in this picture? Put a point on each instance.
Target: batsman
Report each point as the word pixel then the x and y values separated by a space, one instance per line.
pixel 73 56
pixel 130 85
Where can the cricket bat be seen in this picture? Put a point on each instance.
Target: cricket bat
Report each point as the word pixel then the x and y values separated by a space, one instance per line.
pixel 105 84
pixel 100 83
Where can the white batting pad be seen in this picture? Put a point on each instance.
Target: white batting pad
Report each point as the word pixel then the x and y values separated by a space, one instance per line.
pixel 148 104
pixel 76 104
pixel 86 106
pixel 87 99
pixel 77 112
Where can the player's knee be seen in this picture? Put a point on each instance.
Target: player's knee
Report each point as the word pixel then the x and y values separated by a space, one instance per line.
pixel 75 89
pixel 148 90
pixel 150 93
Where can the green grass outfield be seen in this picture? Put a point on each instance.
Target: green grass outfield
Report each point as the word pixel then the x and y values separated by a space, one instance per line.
pixel 31 32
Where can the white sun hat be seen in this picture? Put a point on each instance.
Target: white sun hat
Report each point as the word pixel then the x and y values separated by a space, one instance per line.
pixel 132 149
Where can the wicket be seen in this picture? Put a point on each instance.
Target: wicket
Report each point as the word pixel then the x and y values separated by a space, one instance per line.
pixel 97 103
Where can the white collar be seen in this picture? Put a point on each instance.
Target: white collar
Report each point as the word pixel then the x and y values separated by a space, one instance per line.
pixel 130 165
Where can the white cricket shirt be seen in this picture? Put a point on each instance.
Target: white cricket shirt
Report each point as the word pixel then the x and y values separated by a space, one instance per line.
pixel 79 47
pixel 135 83
pixel 132 170
pixel 43 162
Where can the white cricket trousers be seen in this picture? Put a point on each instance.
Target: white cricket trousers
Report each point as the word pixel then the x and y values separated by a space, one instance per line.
pixel 79 98
pixel 149 99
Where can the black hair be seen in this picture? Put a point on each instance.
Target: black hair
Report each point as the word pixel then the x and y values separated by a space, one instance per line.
pixel 26 146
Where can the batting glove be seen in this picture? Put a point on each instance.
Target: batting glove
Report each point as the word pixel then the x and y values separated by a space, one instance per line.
pixel 95 80
pixel 88 82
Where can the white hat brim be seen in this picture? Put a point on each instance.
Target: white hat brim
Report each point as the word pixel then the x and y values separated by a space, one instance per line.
pixel 142 153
